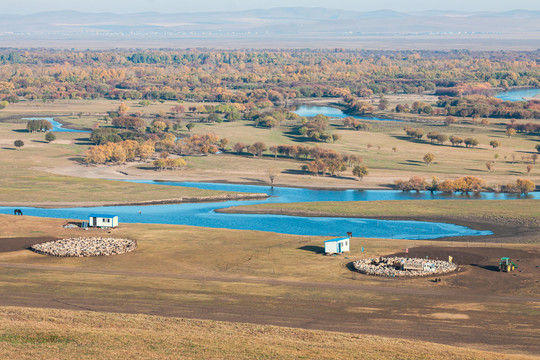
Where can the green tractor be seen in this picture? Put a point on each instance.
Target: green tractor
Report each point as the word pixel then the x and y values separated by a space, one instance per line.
pixel 506 265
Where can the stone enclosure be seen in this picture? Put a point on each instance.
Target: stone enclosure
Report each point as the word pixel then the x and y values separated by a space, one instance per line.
pixel 403 267
pixel 85 247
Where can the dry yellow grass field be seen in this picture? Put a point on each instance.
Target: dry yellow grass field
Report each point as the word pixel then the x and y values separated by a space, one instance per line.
pixel 63 334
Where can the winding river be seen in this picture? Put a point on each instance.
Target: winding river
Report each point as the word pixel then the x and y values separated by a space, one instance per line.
pixel 518 95
pixel 203 214
pixel 332 112
pixel 57 126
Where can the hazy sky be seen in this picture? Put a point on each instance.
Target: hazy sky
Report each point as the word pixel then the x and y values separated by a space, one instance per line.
pixel 168 6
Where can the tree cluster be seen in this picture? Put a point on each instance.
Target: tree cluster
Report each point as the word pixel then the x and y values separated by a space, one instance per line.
pixel 38 125
pixel 169 163
pixel 356 124
pixel 484 106
pixel 119 152
pixel 521 186
pixel 464 184
pixel 200 144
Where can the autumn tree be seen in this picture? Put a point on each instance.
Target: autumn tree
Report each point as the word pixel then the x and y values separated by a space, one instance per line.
pixel 450 120
pixel 471 142
pixel 178 109
pixel 522 186
pixel 415 183
pixel 146 150
pixel 223 144
pixel 456 140
pixel 429 158
pixel 494 144
pixel 360 171
pixel 123 108
pixel 239 147
pixel 469 184
pixel 510 132
pixel 257 148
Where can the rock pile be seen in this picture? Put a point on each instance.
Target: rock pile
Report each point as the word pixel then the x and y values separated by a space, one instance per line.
pixel 403 267
pixel 84 247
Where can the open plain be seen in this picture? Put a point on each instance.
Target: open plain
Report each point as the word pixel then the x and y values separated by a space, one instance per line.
pixel 195 292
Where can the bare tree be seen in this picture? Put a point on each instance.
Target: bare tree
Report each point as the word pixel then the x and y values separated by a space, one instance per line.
pixel 272 175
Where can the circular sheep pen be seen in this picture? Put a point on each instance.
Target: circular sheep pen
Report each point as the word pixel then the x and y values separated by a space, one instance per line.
pixel 85 247
pixel 403 267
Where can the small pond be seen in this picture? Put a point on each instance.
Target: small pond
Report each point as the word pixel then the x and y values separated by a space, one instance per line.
pixel 308 111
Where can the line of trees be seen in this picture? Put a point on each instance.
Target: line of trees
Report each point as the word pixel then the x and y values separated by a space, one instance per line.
pixel 466 184
pixel 418 134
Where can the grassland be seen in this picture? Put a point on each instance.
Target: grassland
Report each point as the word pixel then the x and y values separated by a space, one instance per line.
pixel 272 279
pixel 64 334
pixel 519 210
pixel 26 177
pixel 376 147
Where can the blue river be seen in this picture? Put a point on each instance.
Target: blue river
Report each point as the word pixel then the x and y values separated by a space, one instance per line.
pixel 203 214
pixel 309 110
pixel 57 126
pixel 517 95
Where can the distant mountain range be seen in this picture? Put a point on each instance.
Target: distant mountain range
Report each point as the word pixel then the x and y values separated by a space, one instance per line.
pixel 286 23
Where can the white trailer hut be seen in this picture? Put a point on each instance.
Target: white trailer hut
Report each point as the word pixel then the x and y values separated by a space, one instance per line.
pixel 337 245
pixel 103 221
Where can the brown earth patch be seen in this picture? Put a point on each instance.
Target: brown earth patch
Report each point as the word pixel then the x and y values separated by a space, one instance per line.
pixel 479 271
pixel 22 243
